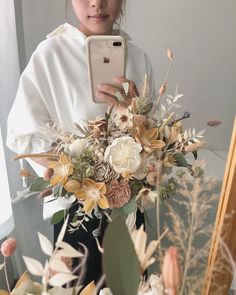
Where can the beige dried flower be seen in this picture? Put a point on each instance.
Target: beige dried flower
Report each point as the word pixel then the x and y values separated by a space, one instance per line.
pixel 139 119
pixel 97 127
pixel 152 177
pixel 195 146
pixel 118 194
pixel 103 172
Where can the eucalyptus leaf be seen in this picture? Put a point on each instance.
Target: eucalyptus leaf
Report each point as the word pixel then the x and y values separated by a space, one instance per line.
pixel 180 160
pixel 118 212
pixel 39 184
pixel 120 262
pixel 107 116
pixel 129 207
pixel 2 266
pixel 58 216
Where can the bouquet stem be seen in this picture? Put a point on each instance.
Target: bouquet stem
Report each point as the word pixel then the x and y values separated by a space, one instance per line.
pixel 6 277
pixel 158 224
pixel 40 155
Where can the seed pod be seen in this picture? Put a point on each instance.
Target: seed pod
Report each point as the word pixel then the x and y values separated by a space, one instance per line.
pixel 169 54
pixel 162 90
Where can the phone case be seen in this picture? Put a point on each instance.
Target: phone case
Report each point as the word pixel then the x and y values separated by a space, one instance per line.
pixel 106 57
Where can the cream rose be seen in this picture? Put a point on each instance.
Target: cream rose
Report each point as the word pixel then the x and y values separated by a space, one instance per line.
pixel 124 155
pixel 77 147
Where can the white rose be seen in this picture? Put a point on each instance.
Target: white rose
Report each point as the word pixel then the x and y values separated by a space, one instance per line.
pixel 77 146
pixel 124 155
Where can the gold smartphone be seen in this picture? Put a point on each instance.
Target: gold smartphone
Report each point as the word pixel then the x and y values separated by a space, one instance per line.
pixel 106 57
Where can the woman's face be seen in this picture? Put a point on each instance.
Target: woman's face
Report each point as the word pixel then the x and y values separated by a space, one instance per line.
pixel 97 17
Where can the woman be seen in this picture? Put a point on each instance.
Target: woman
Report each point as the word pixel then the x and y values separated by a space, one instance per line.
pixel 54 88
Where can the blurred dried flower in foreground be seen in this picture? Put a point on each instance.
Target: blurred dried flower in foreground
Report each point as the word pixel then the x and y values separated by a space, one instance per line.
pixel 213 122
pixel 171 272
pixel 191 234
pixel 8 247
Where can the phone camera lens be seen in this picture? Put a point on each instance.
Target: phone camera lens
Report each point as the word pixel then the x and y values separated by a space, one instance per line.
pixel 117 43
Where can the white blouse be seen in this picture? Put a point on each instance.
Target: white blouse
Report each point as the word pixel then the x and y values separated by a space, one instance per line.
pixel 54 87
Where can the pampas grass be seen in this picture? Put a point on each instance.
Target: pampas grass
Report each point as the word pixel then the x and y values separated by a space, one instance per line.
pixel 188 216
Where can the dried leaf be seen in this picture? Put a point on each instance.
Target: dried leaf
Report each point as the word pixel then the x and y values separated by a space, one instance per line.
pixel 2 266
pixel 119 96
pixel 126 87
pixel 45 244
pixel 67 250
pixel 90 289
pixel 200 133
pixel 169 101
pixel 61 279
pixel 34 266
pixel 59 266
pixel 63 230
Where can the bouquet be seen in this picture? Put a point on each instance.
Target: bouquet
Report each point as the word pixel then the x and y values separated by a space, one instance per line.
pixel 116 164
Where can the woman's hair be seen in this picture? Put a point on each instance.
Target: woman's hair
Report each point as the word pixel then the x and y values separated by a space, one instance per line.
pixel 118 20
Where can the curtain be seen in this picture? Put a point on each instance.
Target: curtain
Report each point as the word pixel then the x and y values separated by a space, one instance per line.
pixel 6 217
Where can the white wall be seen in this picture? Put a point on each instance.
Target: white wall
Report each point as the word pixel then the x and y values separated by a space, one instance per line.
pixel 202 35
pixel 9 75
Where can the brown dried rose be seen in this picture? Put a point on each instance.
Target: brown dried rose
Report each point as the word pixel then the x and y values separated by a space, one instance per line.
pixel 118 194
pixel 103 172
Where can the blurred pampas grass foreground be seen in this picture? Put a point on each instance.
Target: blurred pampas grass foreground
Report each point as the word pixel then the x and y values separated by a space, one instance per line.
pixel 190 218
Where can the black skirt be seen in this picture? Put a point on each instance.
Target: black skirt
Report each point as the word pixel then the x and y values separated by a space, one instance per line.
pixel 93 265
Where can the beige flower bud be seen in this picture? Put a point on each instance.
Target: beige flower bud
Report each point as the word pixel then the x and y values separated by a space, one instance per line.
pixel 162 90
pixel 169 54
pixel 152 177
pixel 72 186
pixel 171 271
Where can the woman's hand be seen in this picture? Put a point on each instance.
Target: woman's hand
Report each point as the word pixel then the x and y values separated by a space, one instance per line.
pixel 108 92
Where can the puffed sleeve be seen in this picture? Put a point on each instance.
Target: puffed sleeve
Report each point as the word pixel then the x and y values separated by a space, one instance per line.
pixel 29 111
